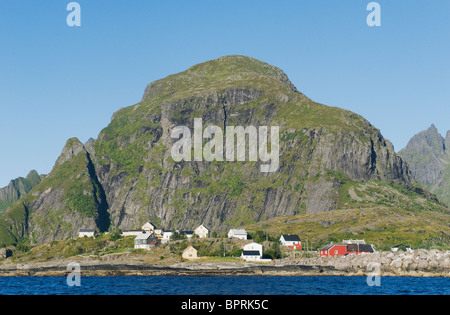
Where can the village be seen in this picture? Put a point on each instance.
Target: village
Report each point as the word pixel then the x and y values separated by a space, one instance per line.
pixel 150 236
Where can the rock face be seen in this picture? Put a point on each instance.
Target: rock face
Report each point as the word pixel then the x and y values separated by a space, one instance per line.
pixel 17 188
pixel 127 176
pixel 428 155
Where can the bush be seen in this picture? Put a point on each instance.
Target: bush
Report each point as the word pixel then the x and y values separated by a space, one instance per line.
pixel 115 233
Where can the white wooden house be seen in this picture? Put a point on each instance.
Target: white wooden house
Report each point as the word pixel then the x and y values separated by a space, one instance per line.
pixel 201 231
pixel 166 235
pixel 238 233
pixel 252 252
pixel 291 241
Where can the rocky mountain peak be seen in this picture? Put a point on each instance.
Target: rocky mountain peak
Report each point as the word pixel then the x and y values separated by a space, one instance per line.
pixel 429 140
pixel 428 155
pixel 72 148
pixel 220 74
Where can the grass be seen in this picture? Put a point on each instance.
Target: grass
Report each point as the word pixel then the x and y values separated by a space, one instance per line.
pixel 381 226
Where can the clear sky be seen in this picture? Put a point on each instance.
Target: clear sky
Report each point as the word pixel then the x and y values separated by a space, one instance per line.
pixel 58 82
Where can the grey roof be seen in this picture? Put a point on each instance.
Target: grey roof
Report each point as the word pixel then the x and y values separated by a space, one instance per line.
pixel 143 236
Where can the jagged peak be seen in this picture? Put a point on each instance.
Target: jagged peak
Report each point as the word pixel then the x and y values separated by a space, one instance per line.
pixel 72 148
pixel 433 129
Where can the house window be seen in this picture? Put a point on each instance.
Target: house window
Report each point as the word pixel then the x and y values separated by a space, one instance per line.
pixel 335 252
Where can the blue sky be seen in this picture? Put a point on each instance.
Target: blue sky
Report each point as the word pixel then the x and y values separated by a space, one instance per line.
pixel 58 82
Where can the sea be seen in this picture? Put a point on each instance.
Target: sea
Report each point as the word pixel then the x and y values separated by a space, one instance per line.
pixel 228 285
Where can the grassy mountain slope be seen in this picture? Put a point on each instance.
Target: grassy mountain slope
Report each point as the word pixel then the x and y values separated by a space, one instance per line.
pixel 65 201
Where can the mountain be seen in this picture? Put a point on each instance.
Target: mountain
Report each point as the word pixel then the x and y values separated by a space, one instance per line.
pixel 329 158
pixel 17 188
pixel 428 154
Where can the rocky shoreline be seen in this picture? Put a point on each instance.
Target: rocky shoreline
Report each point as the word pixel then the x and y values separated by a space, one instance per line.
pixel 419 263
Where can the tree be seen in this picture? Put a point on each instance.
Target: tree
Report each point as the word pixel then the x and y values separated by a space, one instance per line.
pixel 115 233
pixel 177 236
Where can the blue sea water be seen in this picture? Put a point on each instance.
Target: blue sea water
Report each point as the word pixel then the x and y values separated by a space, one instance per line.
pixel 232 285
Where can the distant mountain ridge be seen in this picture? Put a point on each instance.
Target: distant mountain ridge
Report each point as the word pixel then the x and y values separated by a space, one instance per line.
pixel 17 188
pixel 428 155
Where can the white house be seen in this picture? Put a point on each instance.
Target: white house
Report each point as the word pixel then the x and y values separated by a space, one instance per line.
pixel 291 241
pixel 87 233
pixel 145 240
pixel 252 252
pixel 166 236
pixel 201 231
pixel 237 233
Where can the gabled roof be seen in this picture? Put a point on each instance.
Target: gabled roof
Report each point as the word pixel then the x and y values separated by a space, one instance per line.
pixel 202 226
pixel 143 236
pixel 326 247
pixel 190 246
pixel 291 238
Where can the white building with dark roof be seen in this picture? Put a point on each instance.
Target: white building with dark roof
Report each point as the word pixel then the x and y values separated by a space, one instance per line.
pixel 291 241
pixel 252 252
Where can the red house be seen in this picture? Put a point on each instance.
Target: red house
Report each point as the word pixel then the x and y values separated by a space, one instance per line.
pixel 345 249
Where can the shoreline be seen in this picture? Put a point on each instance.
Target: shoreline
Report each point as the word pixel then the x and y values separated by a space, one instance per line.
pixel 210 270
pixel 418 263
